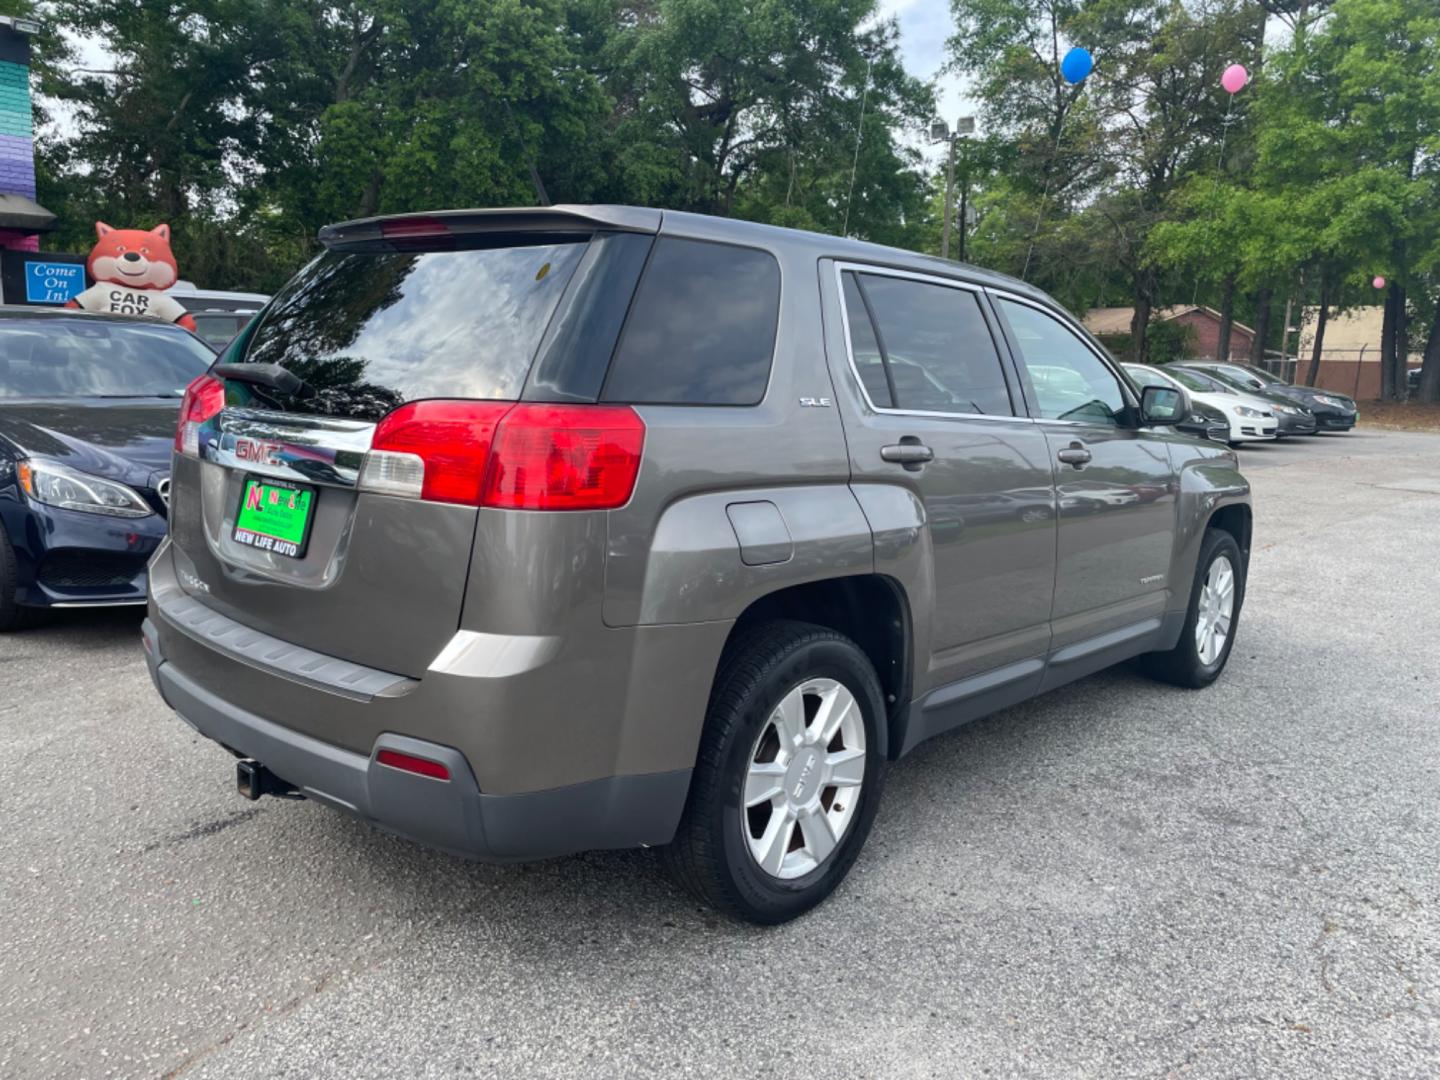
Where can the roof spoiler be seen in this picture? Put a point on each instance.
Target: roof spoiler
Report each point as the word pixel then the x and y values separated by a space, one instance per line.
pixel 404 230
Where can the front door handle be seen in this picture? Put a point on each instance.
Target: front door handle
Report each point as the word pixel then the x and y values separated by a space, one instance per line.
pixel 910 452
pixel 1074 454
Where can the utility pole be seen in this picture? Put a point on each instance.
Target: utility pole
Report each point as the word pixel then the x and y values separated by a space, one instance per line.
pixel 940 131
pixel 949 199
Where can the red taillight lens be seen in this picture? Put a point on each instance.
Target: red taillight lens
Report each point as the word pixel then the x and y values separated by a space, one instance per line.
pixel 411 764
pixel 204 399
pixel 509 456
pixel 565 457
pixel 450 438
pixel 417 233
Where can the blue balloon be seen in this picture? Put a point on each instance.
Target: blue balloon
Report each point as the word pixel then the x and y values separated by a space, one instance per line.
pixel 1077 64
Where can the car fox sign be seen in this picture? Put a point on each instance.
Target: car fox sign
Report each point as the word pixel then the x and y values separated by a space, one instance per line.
pixel 130 268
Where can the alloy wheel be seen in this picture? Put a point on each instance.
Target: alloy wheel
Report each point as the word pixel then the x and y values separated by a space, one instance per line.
pixel 803 781
pixel 1217 609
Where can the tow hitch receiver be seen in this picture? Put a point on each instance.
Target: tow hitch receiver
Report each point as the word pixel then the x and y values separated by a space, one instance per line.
pixel 253 780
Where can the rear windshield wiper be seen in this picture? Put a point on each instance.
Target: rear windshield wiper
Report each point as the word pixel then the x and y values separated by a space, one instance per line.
pixel 271 375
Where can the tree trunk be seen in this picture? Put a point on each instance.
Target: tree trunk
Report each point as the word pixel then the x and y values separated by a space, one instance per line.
pixel 1139 326
pixel 1430 371
pixel 1324 317
pixel 1387 348
pixel 1227 320
pixel 1263 301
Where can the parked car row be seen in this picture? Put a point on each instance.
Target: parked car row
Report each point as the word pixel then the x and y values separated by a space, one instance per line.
pixel 1253 404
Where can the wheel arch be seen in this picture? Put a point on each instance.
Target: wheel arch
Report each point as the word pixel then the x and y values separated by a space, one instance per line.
pixel 870 609
pixel 1236 519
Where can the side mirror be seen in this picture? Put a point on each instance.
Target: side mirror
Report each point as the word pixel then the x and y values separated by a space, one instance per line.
pixel 1162 406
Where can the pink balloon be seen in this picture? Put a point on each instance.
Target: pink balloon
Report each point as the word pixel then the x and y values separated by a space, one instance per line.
pixel 1379 282
pixel 1235 78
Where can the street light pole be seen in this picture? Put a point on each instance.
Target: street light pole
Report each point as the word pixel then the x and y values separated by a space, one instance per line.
pixel 939 130
pixel 949 190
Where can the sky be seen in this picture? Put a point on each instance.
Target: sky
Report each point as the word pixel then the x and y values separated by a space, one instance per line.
pixel 924 27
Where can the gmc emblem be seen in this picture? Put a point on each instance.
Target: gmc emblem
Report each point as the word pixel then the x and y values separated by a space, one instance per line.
pixel 264 453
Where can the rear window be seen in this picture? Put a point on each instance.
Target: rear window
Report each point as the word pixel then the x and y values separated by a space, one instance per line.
pixel 701 330
pixel 370 331
pixel 55 357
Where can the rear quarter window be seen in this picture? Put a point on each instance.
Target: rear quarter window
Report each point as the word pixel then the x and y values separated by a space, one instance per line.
pixel 701 328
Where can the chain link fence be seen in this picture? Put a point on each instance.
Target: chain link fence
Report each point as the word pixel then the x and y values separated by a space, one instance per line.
pixel 1355 372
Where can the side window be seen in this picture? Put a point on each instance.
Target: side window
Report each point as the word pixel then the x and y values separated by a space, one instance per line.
pixel 864 346
pixel 1071 383
pixel 701 329
pixel 931 348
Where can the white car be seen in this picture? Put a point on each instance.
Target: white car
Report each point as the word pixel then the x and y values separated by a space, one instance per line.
pixel 1251 419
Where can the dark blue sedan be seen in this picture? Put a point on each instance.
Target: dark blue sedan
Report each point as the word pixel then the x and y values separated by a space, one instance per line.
pixel 88 405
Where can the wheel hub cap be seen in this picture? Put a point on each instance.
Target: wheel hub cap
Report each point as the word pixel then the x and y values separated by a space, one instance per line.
pixel 803 781
pixel 1217 610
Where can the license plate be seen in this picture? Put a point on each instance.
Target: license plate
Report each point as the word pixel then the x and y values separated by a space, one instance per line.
pixel 274 515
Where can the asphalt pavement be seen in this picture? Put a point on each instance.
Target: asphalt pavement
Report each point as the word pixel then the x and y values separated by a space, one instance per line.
pixel 1118 879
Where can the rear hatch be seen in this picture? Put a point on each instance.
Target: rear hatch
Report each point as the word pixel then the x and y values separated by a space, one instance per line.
pixel 330 468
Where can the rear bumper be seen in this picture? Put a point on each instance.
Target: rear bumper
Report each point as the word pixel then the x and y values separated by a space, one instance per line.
pixel 453 815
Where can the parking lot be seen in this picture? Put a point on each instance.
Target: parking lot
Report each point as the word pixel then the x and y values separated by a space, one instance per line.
pixel 1117 879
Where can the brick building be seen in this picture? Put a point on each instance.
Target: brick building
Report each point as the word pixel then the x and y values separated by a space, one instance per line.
pixel 1112 323
pixel 21 217
pixel 1350 353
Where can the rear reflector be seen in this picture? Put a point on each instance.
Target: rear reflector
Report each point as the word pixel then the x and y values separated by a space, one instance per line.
pixel 508 456
pixel 408 763
pixel 204 399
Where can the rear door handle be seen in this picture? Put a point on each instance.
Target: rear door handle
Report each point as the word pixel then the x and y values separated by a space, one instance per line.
pixel 1074 454
pixel 910 454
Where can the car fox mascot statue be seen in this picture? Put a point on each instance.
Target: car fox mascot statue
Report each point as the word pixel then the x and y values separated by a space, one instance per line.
pixel 130 268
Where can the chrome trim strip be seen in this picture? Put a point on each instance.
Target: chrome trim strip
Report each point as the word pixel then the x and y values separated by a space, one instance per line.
pixel 933 279
pixel 97 603
pixel 308 449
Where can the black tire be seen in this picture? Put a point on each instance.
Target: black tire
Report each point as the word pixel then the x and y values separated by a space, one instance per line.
pixel 1182 665
pixel 12 615
pixel 710 856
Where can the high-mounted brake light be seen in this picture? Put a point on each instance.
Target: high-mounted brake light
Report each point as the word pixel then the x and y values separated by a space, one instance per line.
pixel 412 764
pixel 508 456
pixel 204 399
pixel 417 232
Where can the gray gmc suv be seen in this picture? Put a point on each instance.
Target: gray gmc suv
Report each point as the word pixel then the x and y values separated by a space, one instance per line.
pixel 527 532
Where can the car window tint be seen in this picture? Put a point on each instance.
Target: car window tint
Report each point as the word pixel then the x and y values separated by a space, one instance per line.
pixel 370 331
pixel 1147 376
pixel 864 346
pixel 701 330
pixel 937 347
pixel 1071 382
pixel 60 357
pixel 1192 380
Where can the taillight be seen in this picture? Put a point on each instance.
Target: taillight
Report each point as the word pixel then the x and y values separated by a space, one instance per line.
pixel 204 399
pixel 565 457
pixel 508 456
pixel 433 450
